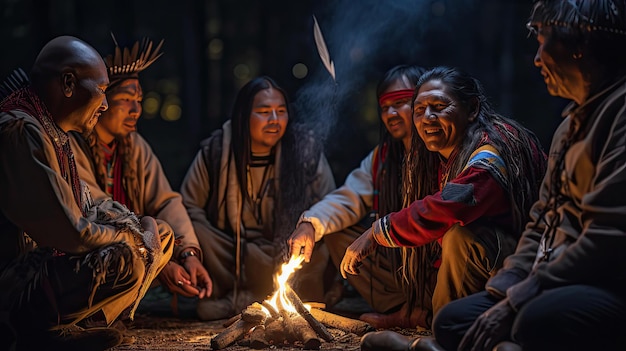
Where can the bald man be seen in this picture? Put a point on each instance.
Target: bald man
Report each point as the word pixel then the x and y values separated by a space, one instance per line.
pixel 62 259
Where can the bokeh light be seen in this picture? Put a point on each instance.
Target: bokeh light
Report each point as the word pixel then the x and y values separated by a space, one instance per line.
pixel 300 70
pixel 151 104
pixel 171 110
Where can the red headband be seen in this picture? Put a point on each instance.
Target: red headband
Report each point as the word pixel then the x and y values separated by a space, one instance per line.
pixel 395 95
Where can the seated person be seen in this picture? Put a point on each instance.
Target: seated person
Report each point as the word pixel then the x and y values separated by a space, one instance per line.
pixel 473 176
pixel 374 189
pixel 116 162
pixel 565 286
pixel 63 259
pixel 244 192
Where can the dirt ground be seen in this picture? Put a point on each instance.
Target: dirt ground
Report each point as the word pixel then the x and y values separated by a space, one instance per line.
pixel 158 333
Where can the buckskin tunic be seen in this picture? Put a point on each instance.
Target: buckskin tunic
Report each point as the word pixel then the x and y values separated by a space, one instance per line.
pixel 75 259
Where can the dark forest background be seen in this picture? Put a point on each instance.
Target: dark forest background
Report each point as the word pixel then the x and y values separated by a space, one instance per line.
pixel 213 47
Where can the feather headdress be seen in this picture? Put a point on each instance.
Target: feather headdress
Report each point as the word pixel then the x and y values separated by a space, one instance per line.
pixel 127 63
pixel 16 80
pixel 586 15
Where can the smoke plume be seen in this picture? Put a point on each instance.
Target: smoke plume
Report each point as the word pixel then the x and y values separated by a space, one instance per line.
pixel 362 36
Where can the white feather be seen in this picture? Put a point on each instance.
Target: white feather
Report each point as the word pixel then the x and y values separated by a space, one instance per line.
pixel 321 48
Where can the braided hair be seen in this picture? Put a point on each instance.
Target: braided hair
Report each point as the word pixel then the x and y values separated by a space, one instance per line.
pixel 129 167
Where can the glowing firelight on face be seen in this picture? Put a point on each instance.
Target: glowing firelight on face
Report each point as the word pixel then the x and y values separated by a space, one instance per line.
pixel 279 299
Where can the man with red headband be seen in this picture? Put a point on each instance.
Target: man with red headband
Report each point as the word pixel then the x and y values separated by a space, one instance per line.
pixel 371 191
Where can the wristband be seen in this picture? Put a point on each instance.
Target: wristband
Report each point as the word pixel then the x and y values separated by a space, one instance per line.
pixel 186 254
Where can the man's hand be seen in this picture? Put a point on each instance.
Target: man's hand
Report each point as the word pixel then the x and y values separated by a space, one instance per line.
pixel 362 247
pixel 302 238
pixel 490 328
pixel 199 276
pixel 191 280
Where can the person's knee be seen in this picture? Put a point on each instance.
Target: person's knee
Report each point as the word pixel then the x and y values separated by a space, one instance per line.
pixel 338 242
pixel 534 329
pixel 443 320
pixel 456 240
pixel 309 280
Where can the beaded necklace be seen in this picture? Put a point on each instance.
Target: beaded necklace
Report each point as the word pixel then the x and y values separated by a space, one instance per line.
pixel 25 99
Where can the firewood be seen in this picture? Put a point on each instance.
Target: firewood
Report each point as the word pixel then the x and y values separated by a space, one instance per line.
pixel 254 314
pixel 342 323
pixel 273 312
pixel 319 305
pixel 305 333
pixel 274 332
pixel 319 328
pixel 287 325
pixel 231 334
pixel 232 320
pixel 258 338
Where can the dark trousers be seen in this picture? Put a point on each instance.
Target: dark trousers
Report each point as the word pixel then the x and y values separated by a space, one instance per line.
pixel 377 282
pixel 575 317
pixel 470 255
pixel 259 267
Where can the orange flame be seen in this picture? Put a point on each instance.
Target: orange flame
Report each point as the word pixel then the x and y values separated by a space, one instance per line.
pixel 279 300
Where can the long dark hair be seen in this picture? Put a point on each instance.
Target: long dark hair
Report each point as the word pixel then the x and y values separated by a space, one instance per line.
pixel 389 178
pixel 299 159
pixel 391 181
pixel 519 148
pixel 240 121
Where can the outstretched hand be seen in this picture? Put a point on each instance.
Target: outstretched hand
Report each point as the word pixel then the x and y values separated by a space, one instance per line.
pixel 490 328
pixel 302 241
pixel 362 247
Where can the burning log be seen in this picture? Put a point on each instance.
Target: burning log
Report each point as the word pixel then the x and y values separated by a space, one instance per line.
pixel 287 324
pixel 319 305
pixel 283 317
pixel 232 320
pixel 274 332
pixel 254 314
pixel 305 333
pixel 342 323
pixel 231 334
pixel 319 328
pixel 271 309
pixel 258 338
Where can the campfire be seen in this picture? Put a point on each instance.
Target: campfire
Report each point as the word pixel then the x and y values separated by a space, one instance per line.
pixel 285 319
